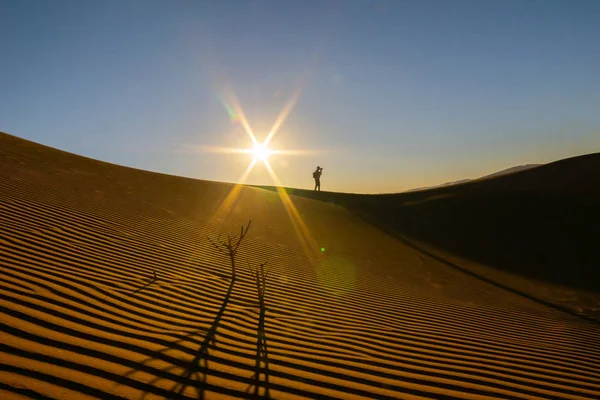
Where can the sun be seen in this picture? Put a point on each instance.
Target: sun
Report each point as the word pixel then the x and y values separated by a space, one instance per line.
pixel 260 152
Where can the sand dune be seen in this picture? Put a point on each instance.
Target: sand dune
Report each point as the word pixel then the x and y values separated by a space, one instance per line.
pixel 83 315
pixel 538 224
pixel 506 171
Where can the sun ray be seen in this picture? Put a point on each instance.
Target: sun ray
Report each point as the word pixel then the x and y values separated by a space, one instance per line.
pixel 222 150
pixel 194 149
pixel 229 201
pixel 283 114
pixel 296 152
pixel 309 245
pixel 233 108
pixel 289 104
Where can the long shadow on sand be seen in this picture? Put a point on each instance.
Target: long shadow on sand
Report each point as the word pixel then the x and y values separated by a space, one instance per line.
pixel 262 353
pixel 196 370
pixel 262 357
pixel 494 283
pixel 197 367
pixel 385 226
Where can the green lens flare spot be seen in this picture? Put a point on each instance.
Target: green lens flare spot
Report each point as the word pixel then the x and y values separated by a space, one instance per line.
pixel 323 249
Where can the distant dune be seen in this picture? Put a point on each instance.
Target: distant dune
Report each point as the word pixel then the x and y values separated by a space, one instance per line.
pixel 511 170
pixel 503 172
pixel 111 289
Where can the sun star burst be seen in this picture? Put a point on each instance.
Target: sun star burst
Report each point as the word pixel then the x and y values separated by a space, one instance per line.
pixel 261 152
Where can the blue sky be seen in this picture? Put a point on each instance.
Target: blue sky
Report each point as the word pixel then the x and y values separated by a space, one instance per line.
pixel 394 94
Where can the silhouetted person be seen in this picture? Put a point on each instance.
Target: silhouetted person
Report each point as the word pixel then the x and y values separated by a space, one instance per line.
pixel 317 176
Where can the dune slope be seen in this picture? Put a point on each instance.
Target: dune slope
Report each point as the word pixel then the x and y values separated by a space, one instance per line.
pixel 540 223
pixel 110 288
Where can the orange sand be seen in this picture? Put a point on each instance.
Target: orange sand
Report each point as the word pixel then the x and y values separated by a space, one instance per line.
pixel 371 317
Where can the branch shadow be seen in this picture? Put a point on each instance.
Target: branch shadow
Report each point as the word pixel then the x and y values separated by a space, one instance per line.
pixel 197 368
pixel 261 365
pixel 195 371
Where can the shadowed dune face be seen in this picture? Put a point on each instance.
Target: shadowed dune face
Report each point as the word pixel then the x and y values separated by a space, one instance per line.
pixel 540 223
pixel 110 288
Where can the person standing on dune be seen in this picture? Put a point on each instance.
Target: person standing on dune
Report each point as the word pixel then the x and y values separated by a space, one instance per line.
pixel 317 176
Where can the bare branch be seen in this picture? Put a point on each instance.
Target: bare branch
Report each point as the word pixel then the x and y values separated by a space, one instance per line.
pixel 243 234
pixel 215 245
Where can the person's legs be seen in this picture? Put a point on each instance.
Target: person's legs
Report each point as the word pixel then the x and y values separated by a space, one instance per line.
pixel 318 185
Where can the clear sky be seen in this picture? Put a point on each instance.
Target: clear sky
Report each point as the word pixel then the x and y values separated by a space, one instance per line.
pixel 393 94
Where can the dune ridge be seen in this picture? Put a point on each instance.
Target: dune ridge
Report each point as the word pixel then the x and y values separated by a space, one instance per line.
pixel 83 316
